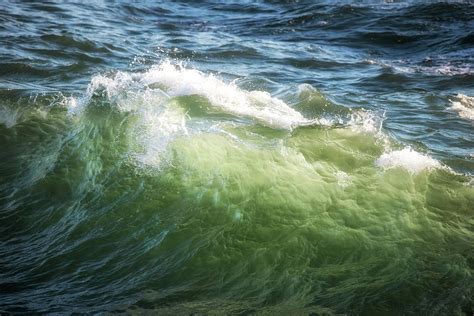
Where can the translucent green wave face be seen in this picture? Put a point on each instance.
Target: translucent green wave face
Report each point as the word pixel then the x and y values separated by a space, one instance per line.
pixel 312 220
pixel 172 201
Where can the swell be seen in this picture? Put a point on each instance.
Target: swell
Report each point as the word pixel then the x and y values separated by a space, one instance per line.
pixel 302 159
pixel 232 189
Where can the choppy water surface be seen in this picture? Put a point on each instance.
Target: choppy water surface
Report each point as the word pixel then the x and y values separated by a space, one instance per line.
pixel 237 158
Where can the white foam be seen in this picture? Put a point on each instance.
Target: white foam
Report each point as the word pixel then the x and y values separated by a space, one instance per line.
pixel 464 105
pixel 8 116
pixel 257 105
pixel 343 179
pixel 111 87
pixel 453 70
pixel 408 159
pixel 365 121
pixel 156 129
pixel 176 80
pixel 407 67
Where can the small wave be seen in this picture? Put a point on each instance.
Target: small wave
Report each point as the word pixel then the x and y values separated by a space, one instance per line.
pixel 366 121
pixel 75 42
pixel 464 105
pixel 441 67
pixel 316 106
pixel 408 159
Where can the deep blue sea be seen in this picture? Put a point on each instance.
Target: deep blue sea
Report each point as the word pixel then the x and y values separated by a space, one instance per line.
pixel 237 157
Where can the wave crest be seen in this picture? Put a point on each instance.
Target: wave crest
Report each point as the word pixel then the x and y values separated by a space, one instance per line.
pixel 408 159
pixel 464 105
pixel 176 80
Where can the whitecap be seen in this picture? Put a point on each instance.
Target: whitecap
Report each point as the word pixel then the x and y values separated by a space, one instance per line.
pixel 257 105
pixel 464 105
pixel 408 159
pixel 176 80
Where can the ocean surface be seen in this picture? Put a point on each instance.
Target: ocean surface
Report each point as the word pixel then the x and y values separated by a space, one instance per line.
pixel 218 157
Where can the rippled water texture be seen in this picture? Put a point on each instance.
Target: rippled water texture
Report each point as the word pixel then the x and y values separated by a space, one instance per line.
pixel 237 158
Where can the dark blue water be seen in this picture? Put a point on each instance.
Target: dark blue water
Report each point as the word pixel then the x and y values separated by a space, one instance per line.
pixel 83 122
pixel 403 58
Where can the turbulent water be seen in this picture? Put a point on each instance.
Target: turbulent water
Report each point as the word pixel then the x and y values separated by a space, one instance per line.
pixel 237 158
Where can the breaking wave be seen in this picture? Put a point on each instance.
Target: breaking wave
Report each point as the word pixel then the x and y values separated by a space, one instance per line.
pixel 464 105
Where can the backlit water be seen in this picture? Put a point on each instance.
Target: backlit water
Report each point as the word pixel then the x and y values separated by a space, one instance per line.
pixel 237 157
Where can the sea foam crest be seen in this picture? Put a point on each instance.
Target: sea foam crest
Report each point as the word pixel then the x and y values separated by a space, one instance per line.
pixel 227 97
pixel 149 95
pixel 464 105
pixel 176 80
pixel 408 159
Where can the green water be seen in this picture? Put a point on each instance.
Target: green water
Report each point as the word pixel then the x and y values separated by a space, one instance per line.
pixel 237 157
pixel 238 218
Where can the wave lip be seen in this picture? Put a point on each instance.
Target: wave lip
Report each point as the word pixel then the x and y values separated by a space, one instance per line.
pixel 408 159
pixel 176 80
pixel 464 105
pixel 153 97
pixel 256 105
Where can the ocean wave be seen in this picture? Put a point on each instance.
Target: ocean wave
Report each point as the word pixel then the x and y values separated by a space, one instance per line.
pixel 170 101
pixel 440 68
pixel 132 184
pixel 464 105
pixel 155 97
